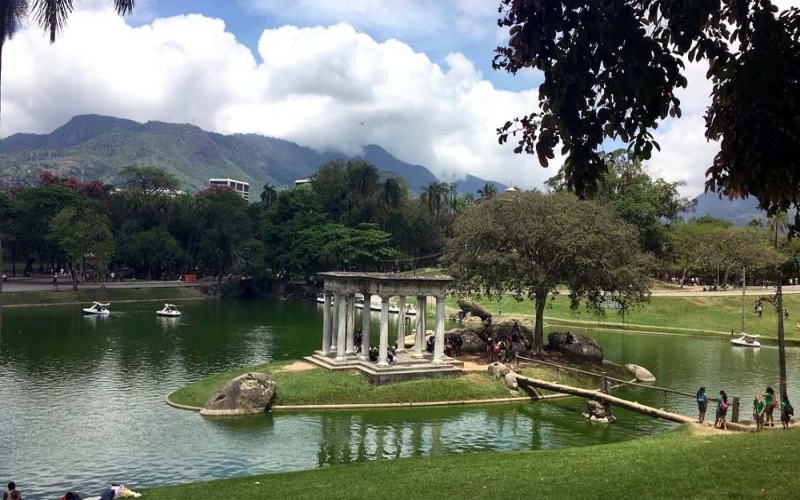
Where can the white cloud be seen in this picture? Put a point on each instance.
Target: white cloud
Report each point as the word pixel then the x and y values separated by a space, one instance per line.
pixel 315 86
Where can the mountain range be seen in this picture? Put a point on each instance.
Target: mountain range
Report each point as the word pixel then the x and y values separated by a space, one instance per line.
pixel 97 147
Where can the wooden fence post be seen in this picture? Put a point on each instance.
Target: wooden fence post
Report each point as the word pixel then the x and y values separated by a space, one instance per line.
pixel 735 412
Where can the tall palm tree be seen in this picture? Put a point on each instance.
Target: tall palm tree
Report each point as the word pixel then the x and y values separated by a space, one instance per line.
pixel 268 194
pixel 489 189
pixel 777 223
pixel 390 196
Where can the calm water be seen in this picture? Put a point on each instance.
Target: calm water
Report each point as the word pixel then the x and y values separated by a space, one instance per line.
pixel 82 398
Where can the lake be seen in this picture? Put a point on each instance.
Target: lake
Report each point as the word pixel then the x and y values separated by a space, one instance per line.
pixel 82 398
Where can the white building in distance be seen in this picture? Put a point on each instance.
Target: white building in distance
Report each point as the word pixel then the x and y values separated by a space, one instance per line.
pixel 242 188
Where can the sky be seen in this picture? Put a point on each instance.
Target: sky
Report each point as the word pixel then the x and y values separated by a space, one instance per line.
pixel 413 76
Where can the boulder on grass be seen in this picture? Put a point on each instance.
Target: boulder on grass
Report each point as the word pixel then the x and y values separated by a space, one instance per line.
pixel 470 307
pixel 244 395
pixel 498 370
pixel 576 346
pixel 642 374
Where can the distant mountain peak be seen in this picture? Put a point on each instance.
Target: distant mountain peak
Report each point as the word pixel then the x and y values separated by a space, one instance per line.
pixel 93 146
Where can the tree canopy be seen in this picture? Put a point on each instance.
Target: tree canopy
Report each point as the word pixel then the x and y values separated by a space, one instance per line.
pixel 528 243
pixel 612 69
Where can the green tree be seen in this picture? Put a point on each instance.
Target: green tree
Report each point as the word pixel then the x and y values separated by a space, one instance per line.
pixel 648 204
pixel 224 225
pixel 391 197
pixel 37 206
pixel 488 190
pixel 7 214
pixel 690 244
pixel 529 243
pixel 151 252
pixel 82 232
pixel 268 194
pixel 619 83
pixel 148 180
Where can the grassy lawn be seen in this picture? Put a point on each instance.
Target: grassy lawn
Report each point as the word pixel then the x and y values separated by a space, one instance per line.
pixel 323 387
pixel 678 464
pixel 688 315
pixel 66 295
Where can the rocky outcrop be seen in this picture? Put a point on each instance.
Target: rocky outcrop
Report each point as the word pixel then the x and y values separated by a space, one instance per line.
pixel 642 374
pixel 244 395
pixel 471 308
pixel 575 346
pixel 599 412
pixel 498 370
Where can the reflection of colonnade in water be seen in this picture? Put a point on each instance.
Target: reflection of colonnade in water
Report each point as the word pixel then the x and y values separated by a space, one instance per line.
pixel 384 434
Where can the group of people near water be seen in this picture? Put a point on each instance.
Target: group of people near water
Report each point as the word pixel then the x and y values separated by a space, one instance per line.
pixel 763 407
pixel 501 347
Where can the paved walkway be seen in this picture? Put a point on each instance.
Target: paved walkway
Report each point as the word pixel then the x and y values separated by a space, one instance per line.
pixel 43 284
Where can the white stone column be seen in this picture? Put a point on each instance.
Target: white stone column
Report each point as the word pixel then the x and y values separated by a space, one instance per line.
pixel 438 349
pixel 326 325
pixel 401 326
pixel 341 301
pixel 351 324
pixel 334 322
pixel 383 359
pixel 419 339
pixel 365 326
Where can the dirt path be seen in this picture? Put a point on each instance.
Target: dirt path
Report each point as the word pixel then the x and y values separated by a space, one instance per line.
pixel 298 366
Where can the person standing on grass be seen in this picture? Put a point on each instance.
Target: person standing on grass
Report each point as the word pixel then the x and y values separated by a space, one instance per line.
pixel 770 402
pixel 786 412
pixel 758 412
pixel 722 411
pixel 702 404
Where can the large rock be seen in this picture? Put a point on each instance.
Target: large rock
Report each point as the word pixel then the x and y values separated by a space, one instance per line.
pixel 642 374
pixel 244 395
pixel 470 307
pixel 576 346
pixel 511 381
pixel 498 370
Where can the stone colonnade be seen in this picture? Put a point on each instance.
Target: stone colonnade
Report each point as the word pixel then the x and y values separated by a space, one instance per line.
pixel 338 326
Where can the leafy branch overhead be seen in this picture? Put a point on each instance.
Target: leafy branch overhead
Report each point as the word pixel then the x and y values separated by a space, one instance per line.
pixel 612 69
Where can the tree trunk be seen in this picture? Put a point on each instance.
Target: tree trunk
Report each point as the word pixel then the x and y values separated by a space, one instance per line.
pixel 538 329
pixel 781 340
pixel 1 273
pixel 605 398
pixel 74 275
pixel 683 276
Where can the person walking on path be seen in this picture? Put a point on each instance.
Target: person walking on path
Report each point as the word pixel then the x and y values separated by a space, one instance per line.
pixel 722 411
pixel 702 404
pixel 758 412
pixel 786 412
pixel 55 282
pixel 760 309
pixel 770 402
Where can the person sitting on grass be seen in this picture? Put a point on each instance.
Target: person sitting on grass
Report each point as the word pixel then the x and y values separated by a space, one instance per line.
pixel 12 493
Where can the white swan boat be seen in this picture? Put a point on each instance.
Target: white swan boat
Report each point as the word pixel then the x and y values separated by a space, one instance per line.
pixel 746 341
pixel 320 298
pixel 97 308
pixel 169 311
pixel 375 305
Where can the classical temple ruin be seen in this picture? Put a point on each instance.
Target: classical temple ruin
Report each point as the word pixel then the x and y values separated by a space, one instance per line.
pixel 338 350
